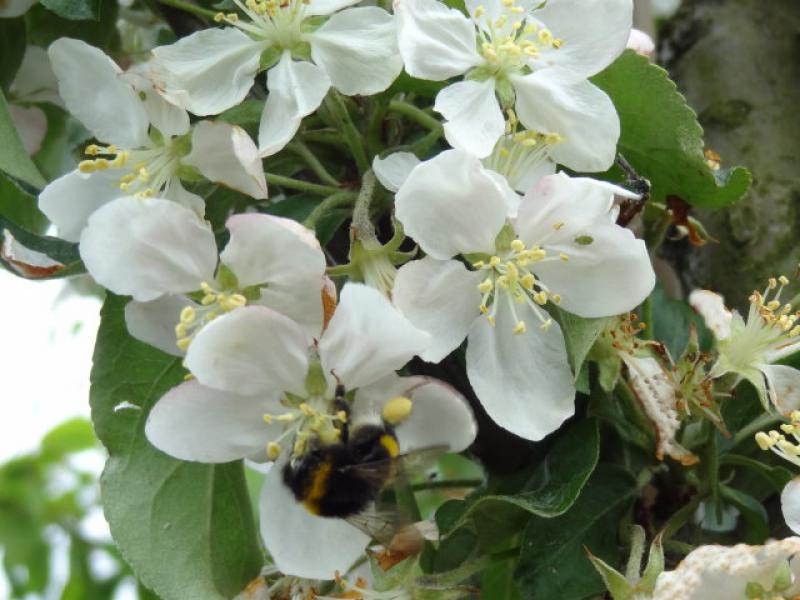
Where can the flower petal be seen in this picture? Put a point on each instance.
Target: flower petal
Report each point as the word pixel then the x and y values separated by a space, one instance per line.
pixel 175 191
pixel 69 200
pixel 393 170
pixel 251 350
pixel 594 32
pixel 551 101
pixel 285 258
pixel 208 71
pixel 148 247
pixel 327 7
pixel 474 119
pixel 451 205
pixel 296 89
pixel 790 504
pixel 31 125
pixel 440 297
pixel 90 84
pixel 357 48
pixel 154 322
pixel 225 154
pixel 193 422
pixel 302 544
pixel 436 42
pixel 783 387
pixel 367 337
pixel 523 381
pixel 35 80
pixel 169 119
pixel 641 43
pixel 712 308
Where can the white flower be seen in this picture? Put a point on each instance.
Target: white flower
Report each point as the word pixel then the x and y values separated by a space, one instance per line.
pixel 787 448
pixel 354 50
pixel 564 247
pixel 734 573
pixel 534 57
pixel 261 388
pixel 14 8
pixel 749 348
pixel 155 250
pixel 149 142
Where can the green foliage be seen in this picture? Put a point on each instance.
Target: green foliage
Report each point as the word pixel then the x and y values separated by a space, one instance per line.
pixel 580 335
pixel 75 10
pixel 661 137
pixel 672 320
pixel 14 161
pixel 45 26
pixel 12 49
pixel 187 529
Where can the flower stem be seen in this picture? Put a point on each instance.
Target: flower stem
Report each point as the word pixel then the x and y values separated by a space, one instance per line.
pixel 676 522
pixel 301 150
pixel 189 7
pixel 647 318
pixel 327 205
pixel 302 186
pixel 329 137
pixel 760 423
pixel 362 225
pixel 340 114
pixel 415 114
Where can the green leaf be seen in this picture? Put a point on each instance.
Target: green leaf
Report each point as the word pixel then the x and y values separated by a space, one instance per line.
pixel 45 26
pixel 14 161
pixel 672 319
pixel 776 476
pixel 20 206
pixel 579 334
pixel 64 133
pixel 552 561
pixel 756 522
pixel 74 10
pixel 661 137
pixel 12 49
pixel 70 436
pixel 187 529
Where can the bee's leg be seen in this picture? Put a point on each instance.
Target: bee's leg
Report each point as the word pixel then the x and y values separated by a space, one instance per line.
pixel 340 404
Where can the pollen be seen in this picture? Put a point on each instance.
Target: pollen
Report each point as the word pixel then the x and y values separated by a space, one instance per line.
pixel 518 245
pixel 397 410
pixel 486 286
pixel 546 325
pixel 273 450
pixel 520 328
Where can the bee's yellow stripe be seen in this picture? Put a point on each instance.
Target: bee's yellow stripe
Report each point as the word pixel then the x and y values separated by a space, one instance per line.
pixel 318 487
pixel 390 443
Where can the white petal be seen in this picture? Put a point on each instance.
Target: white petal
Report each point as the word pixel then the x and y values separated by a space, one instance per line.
pixel 69 200
pixel 551 101
pixel 712 308
pixel 493 10
pixel 783 387
pixel 451 205
pixel 169 119
pixel 285 258
pixel 523 381
pixel 90 84
pixel 148 247
pixel 225 154
pixel 175 191
pixel 594 32
pixel 357 48
pixel 196 423
pixel 440 297
pixel 251 350
pixel 302 544
pixel 393 170
pixel 367 337
pixel 35 80
pixel 641 43
pixel 436 42
pixel 154 322
pixel 474 119
pixel 31 125
pixel 327 7
pixel 790 504
pixel 296 89
pixel 208 71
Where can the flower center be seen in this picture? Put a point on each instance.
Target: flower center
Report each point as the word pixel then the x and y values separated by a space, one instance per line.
pixel 194 317
pixel 509 278
pixel 276 21
pixel 315 418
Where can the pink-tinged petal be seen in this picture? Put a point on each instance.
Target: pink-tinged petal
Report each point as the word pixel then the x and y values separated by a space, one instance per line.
pixel 790 504
pixel 196 423
pixel 154 322
pixel 91 86
pixel 368 338
pixel 31 125
pixel 148 247
pixel 208 71
pixel 783 387
pixel 523 381
pixel 712 308
pixel 300 543
pixel 251 350
pixel 474 119
pixel 594 33
pixel 552 101
pixel 35 80
pixel 296 89
pixel 641 43
pixel 285 258
pixel 440 297
pixel 436 42
pixel 225 154
pixel 393 170
pixel 451 205
pixel 357 48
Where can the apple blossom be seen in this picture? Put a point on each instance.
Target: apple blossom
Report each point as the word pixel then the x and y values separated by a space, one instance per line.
pixel 562 247
pixel 786 444
pixel 532 57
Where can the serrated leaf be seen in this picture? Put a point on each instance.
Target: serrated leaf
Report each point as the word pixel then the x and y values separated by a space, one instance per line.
pixel 74 10
pixel 187 529
pixel 661 137
pixel 14 161
pixel 552 562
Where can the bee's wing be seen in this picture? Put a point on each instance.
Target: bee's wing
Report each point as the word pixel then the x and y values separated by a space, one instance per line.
pixel 379 472
pixel 380 524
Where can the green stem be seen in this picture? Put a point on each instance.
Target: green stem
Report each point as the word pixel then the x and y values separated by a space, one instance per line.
pixel 362 225
pixel 404 495
pixel 338 110
pixel 189 7
pixel 374 143
pixel 302 186
pixel 327 205
pixel 415 114
pixel 459 574
pixel 446 484
pixel 676 522
pixel 634 566
pixel 711 463
pixel 313 162
pixel 760 423
pixel 329 137
pixel 677 547
pixel 647 318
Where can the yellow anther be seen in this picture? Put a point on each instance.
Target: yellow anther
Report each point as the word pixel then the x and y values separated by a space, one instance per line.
pixel 520 328
pixel 531 28
pixel 342 416
pixel 92 150
pixel 87 166
pixel 273 451
pixel 183 343
pixel 232 17
pixel 795 416
pixel 763 440
pixel 124 187
pixel 788 447
pixel 188 314
pixel 501 21
pixel 396 410
pixel 285 417
pixel 540 298
pixel 553 138
pixel 772 283
pixel 518 245
pixel 494 261
pixel 556 298
pixel 491 320
pixel 180 330
pixel 306 409
pixel 558 43
pixel 219 17
pixel 508 3
pixel 516 25
pixel 485 286
pixel 528 281
pixel 228 303
pixel 512 272
pixel 787 428
pixel 545 36
pixel 208 299
pixel 480 10
pixel 536 254
pixel 563 256
pixel 783 280
pixel 546 325
pixel 484 309
pixel 517 10
pixel 478 264
pixel 773 305
pixel 188 377
pixel 558 226
pixel 502 282
pixel 268 418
